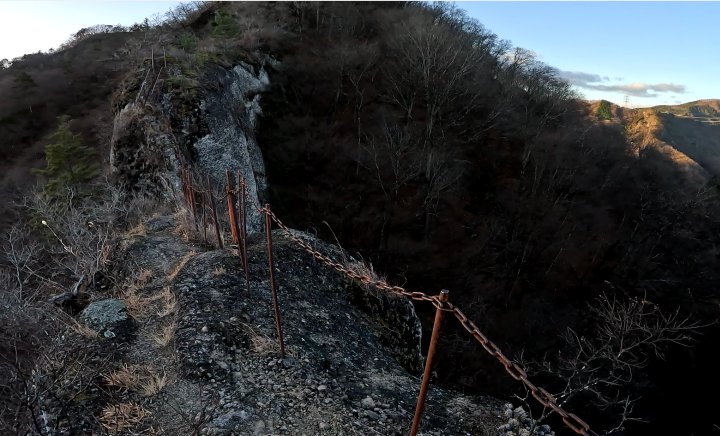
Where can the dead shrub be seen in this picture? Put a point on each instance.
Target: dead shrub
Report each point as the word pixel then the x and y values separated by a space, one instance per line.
pixel 259 343
pixel 138 378
pixel 166 335
pixel 117 418
pixel 180 264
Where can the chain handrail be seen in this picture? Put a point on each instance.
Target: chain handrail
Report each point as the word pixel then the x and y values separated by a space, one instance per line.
pixel 572 421
pixel 545 398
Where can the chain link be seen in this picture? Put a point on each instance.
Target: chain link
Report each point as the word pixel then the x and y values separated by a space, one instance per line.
pixel 571 420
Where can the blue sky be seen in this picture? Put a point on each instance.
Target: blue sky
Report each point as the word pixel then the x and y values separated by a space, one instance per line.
pixel 653 52
pixel 32 26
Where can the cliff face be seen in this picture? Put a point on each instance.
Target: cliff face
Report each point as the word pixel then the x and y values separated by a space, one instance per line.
pixel 230 108
pixel 210 128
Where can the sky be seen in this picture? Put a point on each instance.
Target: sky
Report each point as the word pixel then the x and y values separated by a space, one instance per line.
pixel 32 26
pixel 652 52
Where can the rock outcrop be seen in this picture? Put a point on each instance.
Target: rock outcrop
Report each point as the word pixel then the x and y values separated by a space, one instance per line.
pixel 205 358
pixel 108 318
pixel 208 126
pixel 230 108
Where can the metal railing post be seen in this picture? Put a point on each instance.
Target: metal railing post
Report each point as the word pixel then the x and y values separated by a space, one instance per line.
pixel 203 213
pixel 231 209
pixel 443 297
pixel 193 206
pixel 214 212
pixel 273 285
pixel 243 229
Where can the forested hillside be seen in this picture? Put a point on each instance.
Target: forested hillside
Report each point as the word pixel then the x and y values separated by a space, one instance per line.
pixel 583 241
pixel 452 160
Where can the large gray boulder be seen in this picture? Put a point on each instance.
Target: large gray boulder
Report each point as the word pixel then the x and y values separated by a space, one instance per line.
pixel 108 318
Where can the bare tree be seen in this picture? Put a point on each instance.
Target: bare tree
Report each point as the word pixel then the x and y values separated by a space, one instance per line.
pixel 395 159
pixel 598 368
pixel 441 173
pixel 437 66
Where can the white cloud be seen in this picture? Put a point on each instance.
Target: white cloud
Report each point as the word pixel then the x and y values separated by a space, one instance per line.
pixel 637 89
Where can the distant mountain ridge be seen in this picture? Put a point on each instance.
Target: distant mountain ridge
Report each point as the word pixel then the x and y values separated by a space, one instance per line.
pixel 708 108
pixel 688 134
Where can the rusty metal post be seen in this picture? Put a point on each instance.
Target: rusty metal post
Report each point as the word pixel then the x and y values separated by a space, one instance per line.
pixel 428 364
pixel 273 285
pixel 241 205
pixel 183 186
pixel 193 206
pixel 231 209
pixel 214 212
pixel 243 229
pixel 203 212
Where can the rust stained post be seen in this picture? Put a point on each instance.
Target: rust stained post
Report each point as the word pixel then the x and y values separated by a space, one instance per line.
pixel 273 285
pixel 214 212
pixel 183 188
pixel 443 297
pixel 193 207
pixel 231 208
pixel 186 188
pixel 243 229
pixel 203 212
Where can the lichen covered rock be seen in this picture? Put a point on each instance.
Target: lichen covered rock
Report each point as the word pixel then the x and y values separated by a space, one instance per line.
pixel 108 318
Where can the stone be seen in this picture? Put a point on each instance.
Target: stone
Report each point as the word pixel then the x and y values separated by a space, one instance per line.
pixel 230 420
pixel 372 415
pixel 108 318
pixel 367 403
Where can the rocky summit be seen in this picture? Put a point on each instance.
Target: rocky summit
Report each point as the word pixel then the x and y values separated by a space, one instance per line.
pixel 579 236
pixel 192 349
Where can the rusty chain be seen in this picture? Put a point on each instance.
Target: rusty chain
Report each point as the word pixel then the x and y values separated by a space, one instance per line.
pixel 572 421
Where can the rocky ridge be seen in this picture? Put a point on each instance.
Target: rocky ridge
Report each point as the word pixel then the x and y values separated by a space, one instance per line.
pixel 202 358
pixel 192 348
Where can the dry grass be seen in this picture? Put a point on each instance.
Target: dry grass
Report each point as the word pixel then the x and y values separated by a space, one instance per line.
pixel 138 305
pixel 166 335
pixel 154 384
pixel 365 269
pixel 82 330
pixel 138 230
pixel 105 254
pixel 219 270
pixel 143 277
pixel 169 302
pixel 128 377
pixel 180 264
pixel 117 418
pixel 185 227
pixel 260 343
pixel 138 378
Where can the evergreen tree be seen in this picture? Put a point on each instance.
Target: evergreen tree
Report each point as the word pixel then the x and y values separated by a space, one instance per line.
pixel 69 161
pixel 604 110
pixel 225 25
